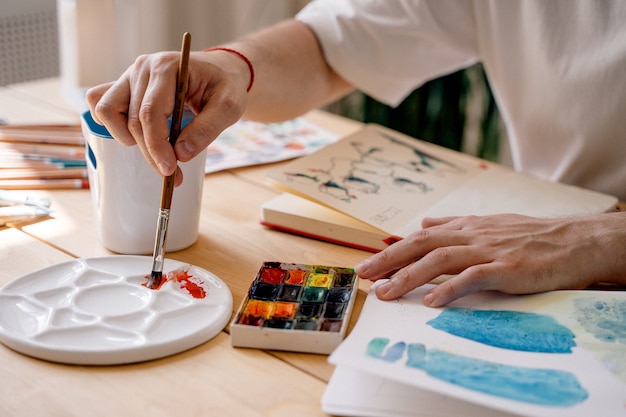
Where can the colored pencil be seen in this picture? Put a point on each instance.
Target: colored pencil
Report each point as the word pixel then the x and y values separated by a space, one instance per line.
pixel 43 134
pixel 51 184
pixel 42 173
pixel 32 150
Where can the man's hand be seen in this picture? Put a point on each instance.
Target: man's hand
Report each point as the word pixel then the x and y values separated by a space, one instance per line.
pixel 135 109
pixel 509 253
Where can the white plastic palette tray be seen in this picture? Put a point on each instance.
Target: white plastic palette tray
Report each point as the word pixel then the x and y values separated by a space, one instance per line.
pixel 95 311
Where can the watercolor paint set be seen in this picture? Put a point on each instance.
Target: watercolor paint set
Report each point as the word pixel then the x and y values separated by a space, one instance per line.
pixel 296 307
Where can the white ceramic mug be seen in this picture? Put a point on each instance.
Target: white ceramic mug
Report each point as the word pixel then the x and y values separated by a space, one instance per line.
pixel 126 194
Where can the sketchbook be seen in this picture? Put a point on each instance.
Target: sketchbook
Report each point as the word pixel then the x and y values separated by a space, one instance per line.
pixel 375 186
pixel 561 353
pixel 293 214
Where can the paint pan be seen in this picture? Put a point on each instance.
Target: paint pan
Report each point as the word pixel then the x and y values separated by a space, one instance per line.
pixel 296 307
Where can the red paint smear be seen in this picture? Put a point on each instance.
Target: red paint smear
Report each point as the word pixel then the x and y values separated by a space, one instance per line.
pixel 145 284
pixel 189 283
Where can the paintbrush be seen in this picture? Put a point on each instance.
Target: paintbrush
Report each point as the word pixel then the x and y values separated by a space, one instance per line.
pixel 168 181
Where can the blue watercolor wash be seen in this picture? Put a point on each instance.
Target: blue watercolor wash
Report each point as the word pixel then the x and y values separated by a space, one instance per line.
pixel 376 349
pixel 604 319
pixel 546 387
pixel 515 330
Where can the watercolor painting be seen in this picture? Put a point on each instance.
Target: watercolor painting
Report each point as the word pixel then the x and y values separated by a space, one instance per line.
pixel 531 385
pixel 553 354
pixel 252 143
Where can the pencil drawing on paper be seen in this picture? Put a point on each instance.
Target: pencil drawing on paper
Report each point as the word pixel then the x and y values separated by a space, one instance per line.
pixel 370 169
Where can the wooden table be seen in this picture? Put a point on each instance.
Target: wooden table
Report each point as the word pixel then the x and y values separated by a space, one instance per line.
pixel 213 379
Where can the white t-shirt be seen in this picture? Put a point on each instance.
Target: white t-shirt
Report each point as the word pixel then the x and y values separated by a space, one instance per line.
pixel 557 69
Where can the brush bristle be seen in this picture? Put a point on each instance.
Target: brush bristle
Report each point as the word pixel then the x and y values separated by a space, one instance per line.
pixel 155 280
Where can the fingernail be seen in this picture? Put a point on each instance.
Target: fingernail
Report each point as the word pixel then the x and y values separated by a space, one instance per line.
pixel 185 150
pixel 428 299
pixel 164 168
pixel 361 266
pixel 384 287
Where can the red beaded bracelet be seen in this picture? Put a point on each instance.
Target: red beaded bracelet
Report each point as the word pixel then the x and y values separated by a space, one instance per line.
pixel 242 56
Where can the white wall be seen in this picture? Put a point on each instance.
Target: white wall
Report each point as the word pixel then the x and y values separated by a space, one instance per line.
pixel 100 38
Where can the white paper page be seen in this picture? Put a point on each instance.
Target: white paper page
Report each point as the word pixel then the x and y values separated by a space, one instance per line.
pixel 588 380
pixel 502 191
pixel 355 393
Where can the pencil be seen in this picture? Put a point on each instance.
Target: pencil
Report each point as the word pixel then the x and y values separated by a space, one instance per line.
pixel 8 164
pixel 55 134
pixel 167 190
pixel 42 174
pixel 46 163
pixel 53 184
pixel 27 150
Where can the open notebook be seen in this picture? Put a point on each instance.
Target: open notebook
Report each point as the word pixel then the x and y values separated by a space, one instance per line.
pixel 375 186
